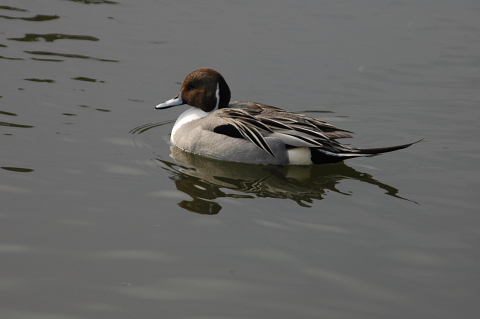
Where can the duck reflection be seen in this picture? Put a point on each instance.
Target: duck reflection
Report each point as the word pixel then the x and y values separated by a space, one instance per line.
pixel 205 179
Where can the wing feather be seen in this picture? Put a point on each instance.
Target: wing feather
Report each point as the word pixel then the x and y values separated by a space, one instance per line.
pixel 251 134
pixel 297 130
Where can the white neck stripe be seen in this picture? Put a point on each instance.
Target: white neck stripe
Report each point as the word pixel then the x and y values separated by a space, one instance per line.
pixel 217 95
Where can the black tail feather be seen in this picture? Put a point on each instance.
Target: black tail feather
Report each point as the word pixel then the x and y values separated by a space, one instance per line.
pixel 379 150
pixel 320 156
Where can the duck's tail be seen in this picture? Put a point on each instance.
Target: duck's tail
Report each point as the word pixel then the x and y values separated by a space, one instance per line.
pixel 321 156
pixel 379 150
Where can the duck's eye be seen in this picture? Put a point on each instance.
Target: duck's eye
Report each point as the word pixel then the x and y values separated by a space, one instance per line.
pixel 191 86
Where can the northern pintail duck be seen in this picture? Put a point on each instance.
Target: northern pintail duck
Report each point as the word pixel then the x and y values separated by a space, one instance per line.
pixel 250 132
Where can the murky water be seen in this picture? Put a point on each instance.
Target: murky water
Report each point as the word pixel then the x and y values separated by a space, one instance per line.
pixel 100 218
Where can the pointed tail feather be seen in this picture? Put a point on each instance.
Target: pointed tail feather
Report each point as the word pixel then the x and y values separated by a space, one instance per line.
pixel 322 156
pixel 379 150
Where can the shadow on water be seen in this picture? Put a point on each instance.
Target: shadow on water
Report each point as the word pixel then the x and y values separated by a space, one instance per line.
pixel 206 179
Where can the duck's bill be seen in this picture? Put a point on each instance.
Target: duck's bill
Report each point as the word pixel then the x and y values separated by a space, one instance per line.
pixel 177 100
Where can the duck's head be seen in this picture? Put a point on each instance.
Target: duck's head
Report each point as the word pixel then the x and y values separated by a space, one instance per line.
pixel 204 88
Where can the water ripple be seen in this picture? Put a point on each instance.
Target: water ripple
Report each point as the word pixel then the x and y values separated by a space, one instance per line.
pixel 15 125
pixel 69 55
pixel 38 17
pixel 95 1
pixel 50 37
pixel 13 8
pixel 145 127
pixel 17 169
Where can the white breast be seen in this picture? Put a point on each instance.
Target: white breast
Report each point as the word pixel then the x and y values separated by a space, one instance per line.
pixel 187 116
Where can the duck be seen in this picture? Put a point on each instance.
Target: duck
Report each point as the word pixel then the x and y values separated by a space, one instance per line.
pixel 251 132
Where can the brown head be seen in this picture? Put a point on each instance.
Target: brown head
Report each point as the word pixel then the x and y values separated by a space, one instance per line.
pixel 204 88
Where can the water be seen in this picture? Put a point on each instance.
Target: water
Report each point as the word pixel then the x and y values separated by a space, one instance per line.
pixel 101 219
